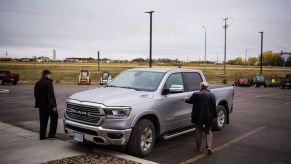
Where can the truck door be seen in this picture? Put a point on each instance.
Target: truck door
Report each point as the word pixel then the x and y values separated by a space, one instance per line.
pixel 174 107
pixel 192 82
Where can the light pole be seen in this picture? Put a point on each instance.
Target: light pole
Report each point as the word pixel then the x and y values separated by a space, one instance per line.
pixel 225 27
pixel 246 53
pixel 261 58
pixel 98 60
pixel 150 60
pixel 205 33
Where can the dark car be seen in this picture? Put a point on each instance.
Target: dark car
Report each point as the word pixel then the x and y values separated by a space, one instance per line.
pixel 286 82
pixel 7 77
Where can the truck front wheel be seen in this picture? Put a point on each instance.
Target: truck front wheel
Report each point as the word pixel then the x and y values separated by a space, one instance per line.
pixel 220 121
pixel 142 138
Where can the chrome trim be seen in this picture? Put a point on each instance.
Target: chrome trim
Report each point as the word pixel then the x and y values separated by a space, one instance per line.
pixel 166 137
pixel 101 120
pixel 102 133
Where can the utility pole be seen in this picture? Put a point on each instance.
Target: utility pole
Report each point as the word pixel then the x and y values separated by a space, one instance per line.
pixel 217 58
pixel 98 61
pixel 261 58
pixel 204 44
pixel 246 53
pixel 199 58
pixel 6 54
pixel 150 59
pixel 225 27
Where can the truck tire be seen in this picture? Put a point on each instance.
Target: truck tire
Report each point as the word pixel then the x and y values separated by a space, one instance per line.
pixel 142 138
pixel 14 83
pixel 220 121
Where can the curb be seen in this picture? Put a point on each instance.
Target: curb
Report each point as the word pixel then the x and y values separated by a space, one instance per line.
pixel 4 91
pixel 123 156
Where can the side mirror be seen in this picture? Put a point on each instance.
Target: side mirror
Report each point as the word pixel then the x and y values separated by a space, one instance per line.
pixel 173 89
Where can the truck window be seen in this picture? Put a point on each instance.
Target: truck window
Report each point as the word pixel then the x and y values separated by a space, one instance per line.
pixel 174 79
pixel 193 80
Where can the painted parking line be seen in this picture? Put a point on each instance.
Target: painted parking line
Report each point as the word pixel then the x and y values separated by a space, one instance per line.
pixel 224 145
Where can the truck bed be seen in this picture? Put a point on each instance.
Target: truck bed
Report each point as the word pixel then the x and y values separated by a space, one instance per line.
pixel 216 86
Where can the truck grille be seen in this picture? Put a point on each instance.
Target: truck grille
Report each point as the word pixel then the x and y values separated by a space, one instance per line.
pixel 83 114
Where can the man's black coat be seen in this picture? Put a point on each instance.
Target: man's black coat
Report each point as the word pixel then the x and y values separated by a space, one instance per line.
pixel 204 107
pixel 44 94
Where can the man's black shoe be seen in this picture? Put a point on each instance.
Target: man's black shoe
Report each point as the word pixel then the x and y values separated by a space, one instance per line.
pixel 42 138
pixel 209 151
pixel 52 137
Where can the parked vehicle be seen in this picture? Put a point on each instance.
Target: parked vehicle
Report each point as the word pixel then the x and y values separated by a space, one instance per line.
pixel 105 78
pixel 84 77
pixel 258 80
pixel 240 81
pixel 140 105
pixel 8 77
pixel 286 82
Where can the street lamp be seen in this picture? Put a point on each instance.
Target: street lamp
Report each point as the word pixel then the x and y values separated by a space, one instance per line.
pixel 205 32
pixel 261 58
pixel 150 12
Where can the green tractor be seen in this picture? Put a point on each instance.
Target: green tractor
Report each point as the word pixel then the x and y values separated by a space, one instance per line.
pixel 258 80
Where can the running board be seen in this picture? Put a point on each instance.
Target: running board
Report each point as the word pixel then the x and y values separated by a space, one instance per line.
pixel 169 136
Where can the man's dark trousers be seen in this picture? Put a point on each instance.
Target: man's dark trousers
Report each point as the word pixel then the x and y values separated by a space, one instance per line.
pixel 44 114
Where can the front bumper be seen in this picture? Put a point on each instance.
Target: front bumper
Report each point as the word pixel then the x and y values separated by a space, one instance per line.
pixel 97 134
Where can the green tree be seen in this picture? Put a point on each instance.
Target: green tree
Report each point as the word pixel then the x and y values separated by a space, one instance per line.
pixel 288 63
pixel 238 61
pixel 253 60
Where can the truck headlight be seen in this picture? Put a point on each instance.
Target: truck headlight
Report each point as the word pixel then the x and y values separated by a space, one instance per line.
pixel 117 112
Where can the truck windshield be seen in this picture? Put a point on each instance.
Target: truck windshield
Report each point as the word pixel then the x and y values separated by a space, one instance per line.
pixel 138 80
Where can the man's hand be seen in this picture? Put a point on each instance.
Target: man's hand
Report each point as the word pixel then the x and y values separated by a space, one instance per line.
pixel 55 109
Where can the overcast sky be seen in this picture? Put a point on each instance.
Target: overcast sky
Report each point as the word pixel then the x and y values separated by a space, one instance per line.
pixel 120 29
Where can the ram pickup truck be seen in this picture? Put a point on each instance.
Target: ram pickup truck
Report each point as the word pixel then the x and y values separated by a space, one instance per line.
pixel 7 77
pixel 139 106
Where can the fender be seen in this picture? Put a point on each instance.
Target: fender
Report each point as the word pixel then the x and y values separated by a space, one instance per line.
pixel 144 113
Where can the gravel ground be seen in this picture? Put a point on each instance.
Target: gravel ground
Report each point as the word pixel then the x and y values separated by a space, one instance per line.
pixel 91 158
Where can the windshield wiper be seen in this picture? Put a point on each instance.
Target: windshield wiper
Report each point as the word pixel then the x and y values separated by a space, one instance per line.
pixel 110 86
pixel 137 89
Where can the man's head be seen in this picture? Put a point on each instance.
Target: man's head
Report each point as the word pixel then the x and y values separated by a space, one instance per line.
pixel 203 85
pixel 46 73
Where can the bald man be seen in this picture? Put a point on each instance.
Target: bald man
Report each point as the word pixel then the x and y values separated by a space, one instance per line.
pixel 203 114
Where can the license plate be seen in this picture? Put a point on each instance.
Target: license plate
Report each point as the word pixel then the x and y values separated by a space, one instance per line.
pixel 78 136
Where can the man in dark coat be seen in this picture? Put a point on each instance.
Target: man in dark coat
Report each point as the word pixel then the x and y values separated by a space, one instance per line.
pixel 203 114
pixel 46 102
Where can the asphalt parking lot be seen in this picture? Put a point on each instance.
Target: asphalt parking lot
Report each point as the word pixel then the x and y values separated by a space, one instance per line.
pixel 259 129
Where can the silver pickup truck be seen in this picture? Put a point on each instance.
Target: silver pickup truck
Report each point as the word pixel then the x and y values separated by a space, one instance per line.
pixel 140 105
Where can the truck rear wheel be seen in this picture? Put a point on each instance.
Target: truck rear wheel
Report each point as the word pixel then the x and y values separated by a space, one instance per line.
pixel 220 121
pixel 142 138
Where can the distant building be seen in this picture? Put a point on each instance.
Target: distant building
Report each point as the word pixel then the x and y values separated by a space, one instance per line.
pixel 106 60
pixel 138 60
pixel 74 59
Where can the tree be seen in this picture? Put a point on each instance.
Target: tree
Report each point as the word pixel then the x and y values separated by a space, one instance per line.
pixel 238 61
pixel 288 63
pixel 253 60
